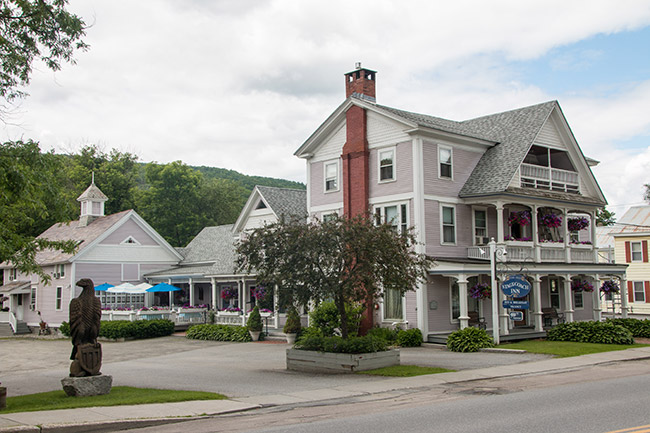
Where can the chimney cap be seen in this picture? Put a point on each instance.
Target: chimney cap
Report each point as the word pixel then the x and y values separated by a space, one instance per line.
pixel 358 67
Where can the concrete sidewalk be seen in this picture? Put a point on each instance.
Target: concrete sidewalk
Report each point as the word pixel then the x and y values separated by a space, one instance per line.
pixel 120 417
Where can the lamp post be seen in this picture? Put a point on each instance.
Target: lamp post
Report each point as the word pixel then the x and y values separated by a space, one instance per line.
pixel 495 292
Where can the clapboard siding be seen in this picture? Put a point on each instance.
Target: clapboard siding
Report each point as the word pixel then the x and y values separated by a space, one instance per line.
pixel 332 146
pixel 411 309
pixel 259 218
pixel 549 136
pixel 403 166
pixel 464 235
pixel 129 253
pixel 463 162
pixel 440 318
pixel 100 272
pixel 129 228
pixel 383 131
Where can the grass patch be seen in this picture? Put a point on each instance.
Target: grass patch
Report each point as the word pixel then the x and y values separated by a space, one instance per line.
pixel 405 371
pixel 119 395
pixel 564 349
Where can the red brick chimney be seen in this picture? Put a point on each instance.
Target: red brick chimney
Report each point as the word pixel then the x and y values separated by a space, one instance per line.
pixel 359 83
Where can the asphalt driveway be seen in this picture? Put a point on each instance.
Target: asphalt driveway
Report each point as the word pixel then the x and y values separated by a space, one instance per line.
pixel 234 369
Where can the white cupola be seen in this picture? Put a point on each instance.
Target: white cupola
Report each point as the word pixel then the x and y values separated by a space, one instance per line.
pixel 92 204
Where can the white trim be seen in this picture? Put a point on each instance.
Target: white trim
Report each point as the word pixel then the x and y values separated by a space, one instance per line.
pixel 640 243
pixel 398 205
pixel 390 198
pixel 487 223
pixel 336 162
pixel 326 207
pixel 634 300
pixel 451 152
pixel 442 235
pixel 573 300
pixel 393 150
pixel 58 299
pixel 130 238
pixel 440 198
pixel 450 283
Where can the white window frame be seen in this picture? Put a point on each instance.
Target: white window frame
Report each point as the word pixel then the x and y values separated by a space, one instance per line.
pixel 402 214
pixel 576 296
pixel 442 225
pixel 451 163
pixel 474 227
pixel 328 216
pixel 394 319
pixel 130 240
pixel 32 298
pixel 642 291
pixel 58 300
pixel 393 152
pixel 559 292
pixel 639 252
pixel 337 179
pixel 453 283
pixel 13 274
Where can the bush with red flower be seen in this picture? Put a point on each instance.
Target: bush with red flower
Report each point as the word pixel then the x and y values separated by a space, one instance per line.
pixel 228 293
pixel 577 224
pixel 258 292
pixel 609 287
pixel 581 286
pixel 522 218
pixel 480 291
pixel 550 220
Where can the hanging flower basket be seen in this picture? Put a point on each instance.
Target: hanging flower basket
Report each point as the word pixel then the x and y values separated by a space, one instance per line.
pixel 581 286
pixel 577 224
pixel 480 291
pixel 550 220
pixel 258 292
pixel 610 286
pixel 228 293
pixel 521 217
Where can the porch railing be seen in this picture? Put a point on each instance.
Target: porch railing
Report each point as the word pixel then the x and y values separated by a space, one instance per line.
pixel 535 176
pixel 179 317
pixel 10 318
pixel 541 254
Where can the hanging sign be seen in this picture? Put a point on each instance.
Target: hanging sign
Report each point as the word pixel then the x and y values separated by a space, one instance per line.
pixel 515 286
pixel 517 316
pixel 518 305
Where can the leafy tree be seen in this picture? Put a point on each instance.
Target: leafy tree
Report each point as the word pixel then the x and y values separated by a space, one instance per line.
pixel 605 217
pixel 222 200
pixel 30 201
pixel 345 260
pixel 35 29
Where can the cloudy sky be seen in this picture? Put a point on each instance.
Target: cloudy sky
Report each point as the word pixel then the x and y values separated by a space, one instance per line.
pixel 241 84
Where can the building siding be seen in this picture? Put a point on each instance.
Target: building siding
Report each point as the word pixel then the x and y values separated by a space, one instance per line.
pixel 316 185
pixel 463 163
pixel 129 228
pixel 403 169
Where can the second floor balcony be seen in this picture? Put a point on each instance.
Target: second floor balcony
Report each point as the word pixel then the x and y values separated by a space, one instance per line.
pixel 542 253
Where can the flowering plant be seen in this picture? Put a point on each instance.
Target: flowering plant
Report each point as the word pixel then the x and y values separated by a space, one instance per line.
pixel 188 306
pixel 609 286
pixel 550 220
pixel 581 285
pixel 232 310
pixel 258 292
pixel 551 241
pixel 154 308
pixel 228 293
pixel 581 242
pixel 262 310
pixel 480 291
pixel 521 217
pixel 512 238
pixel 577 224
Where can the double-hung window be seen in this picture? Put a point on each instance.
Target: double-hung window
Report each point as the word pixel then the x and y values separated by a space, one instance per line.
pixel 639 291
pixel 331 176
pixel 578 300
pixel 637 253
pixel 32 299
pixel 59 297
pixel 480 226
pixel 386 165
pixel 448 224
pixel 395 215
pixel 445 162
pixel 393 305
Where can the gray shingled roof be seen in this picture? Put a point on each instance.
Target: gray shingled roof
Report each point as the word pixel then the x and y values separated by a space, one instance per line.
pixel 71 231
pixel 92 193
pixel 285 202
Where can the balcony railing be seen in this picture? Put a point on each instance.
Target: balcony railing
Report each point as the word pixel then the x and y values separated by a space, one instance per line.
pixel 544 253
pixel 553 179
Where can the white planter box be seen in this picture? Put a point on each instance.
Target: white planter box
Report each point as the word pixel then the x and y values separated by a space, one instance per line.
pixel 228 313
pixel 320 362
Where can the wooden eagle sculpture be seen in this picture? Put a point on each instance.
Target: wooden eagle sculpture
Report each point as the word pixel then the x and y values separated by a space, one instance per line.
pixel 85 320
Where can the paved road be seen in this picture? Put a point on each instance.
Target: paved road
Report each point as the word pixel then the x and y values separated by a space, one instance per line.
pixel 234 369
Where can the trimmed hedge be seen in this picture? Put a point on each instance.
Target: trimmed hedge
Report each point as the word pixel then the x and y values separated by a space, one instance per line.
pixel 219 333
pixel 469 340
pixel 638 328
pixel 409 338
pixel 365 344
pixel 140 329
pixel 591 332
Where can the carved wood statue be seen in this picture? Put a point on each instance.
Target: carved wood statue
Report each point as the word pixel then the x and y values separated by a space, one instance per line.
pixel 85 320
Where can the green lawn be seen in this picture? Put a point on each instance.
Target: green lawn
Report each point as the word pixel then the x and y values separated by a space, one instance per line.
pixel 119 395
pixel 563 349
pixel 405 371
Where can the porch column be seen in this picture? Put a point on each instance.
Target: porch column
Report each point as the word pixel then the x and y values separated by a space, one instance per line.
pixel 624 298
pixel 596 299
pixel 594 247
pixel 537 303
pixel 567 237
pixel 504 317
pixel 500 237
pixel 191 286
pixel 422 309
pixel 215 301
pixel 462 299
pixel 171 294
pixel 535 235
pixel 568 299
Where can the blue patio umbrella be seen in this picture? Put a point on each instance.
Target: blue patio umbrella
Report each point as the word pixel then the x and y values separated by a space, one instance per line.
pixel 103 287
pixel 163 287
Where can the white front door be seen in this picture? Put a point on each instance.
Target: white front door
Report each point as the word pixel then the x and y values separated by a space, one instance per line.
pixel 17 303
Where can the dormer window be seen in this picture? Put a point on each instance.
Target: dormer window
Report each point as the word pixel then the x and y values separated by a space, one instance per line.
pixel 549 169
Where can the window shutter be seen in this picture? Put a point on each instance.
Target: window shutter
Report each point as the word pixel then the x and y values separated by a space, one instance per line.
pixel 644 250
pixel 646 286
pixel 630 291
pixel 628 252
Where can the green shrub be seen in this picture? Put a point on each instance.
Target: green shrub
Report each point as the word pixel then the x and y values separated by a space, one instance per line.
pixel 292 325
pixel 638 328
pixel 409 338
pixel 388 334
pixel 211 316
pixel 365 344
pixel 591 332
pixel 219 333
pixel 469 340
pixel 326 318
pixel 254 322
pixel 65 329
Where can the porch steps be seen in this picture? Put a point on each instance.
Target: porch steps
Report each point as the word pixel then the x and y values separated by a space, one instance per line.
pixel 275 335
pixel 22 328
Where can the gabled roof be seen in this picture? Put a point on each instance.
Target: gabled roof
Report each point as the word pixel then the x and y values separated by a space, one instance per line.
pixel 92 193
pixel 285 203
pixel 636 221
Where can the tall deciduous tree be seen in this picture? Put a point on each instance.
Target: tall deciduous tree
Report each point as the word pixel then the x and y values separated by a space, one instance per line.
pixel 30 201
pixel 346 260
pixel 35 29
pixel 605 217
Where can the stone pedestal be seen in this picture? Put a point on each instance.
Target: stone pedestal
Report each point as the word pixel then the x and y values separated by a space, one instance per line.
pixel 87 386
